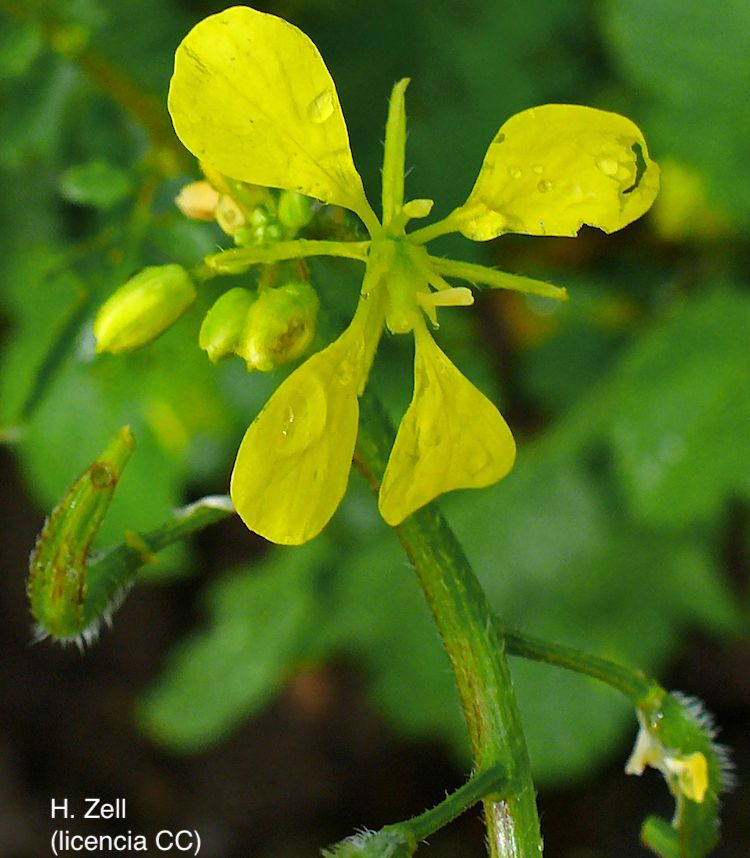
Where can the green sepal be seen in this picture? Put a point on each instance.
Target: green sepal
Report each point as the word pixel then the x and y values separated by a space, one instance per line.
pixel 676 732
pixel 224 323
pixel 372 844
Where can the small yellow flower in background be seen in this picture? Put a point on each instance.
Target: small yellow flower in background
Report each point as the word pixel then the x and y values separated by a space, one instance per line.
pixel 686 773
pixel 252 99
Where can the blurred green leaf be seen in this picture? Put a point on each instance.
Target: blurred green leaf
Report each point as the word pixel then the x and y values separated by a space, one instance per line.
pixel 34 115
pixel 96 183
pixel 20 46
pixel 218 676
pixel 690 59
pixel 679 415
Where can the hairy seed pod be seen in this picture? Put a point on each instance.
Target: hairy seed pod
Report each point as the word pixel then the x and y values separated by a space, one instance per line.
pixel 65 603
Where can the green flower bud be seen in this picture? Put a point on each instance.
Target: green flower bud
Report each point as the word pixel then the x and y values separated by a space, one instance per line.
pixel 294 210
pixel 372 844
pixel 280 326
pixel 224 323
pixel 143 308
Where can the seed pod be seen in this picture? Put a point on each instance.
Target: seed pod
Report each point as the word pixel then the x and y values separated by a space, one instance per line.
pixel 224 323
pixel 294 210
pixel 143 308
pixel 280 326
pixel 64 602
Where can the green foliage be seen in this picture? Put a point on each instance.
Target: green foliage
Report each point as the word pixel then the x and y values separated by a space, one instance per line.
pixel 606 534
pixel 221 675
pixel 680 412
pixel 684 76
pixel 96 183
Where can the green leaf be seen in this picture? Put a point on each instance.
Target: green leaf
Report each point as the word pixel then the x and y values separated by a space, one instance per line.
pixel 679 412
pixel 20 47
pixel 381 615
pixel 682 76
pixel 97 183
pixel 258 617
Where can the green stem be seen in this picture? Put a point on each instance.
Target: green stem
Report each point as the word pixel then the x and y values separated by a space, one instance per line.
pixel 632 683
pixel 474 273
pixel 447 225
pixel 239 259
pixel 474 644
pixel 111 572
pixel 492 781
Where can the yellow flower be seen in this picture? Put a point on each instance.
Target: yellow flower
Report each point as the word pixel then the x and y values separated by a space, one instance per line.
pixel 252 99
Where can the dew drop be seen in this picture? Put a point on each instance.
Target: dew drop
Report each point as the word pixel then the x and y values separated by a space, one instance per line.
pixel 608 166
pixel 477 460
pixel 429 438
pixel 515 172
pixel 538 169
pixel 303 417
pixel 543 186
pixel 351 367
pixel 321 107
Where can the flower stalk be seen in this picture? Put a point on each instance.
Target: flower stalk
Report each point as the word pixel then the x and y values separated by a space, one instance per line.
pixel 474 644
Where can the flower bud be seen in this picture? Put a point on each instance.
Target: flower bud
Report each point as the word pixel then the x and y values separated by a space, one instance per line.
pixel 294 210
pixel 229 215
pixel 224 323
pixel 280 326
pixel 143 308
pixel 198 200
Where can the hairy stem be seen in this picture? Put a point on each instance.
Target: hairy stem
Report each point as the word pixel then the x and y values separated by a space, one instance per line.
pixel 489 782
pixel 475 647
pixel 632 683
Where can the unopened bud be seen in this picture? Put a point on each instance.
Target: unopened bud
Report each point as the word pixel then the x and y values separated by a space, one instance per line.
pixel 280 326
pixel 224 323
pixel 143 308
pixel 229 215
pixel 294 210
pixel 198 200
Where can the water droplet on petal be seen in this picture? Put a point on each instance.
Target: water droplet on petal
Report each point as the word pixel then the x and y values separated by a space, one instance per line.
pixel 321 107
pixel 515 172
pixel 608 166
pixel 544 185
pixel 303 418
pixel 538 169
pixel 351 367
pixel 477 460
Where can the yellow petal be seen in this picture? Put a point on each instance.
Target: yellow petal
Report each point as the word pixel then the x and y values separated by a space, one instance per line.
pixel 553 168
pixel 252 98
pixel 293 464
pixel 692 775
pixel 451 437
